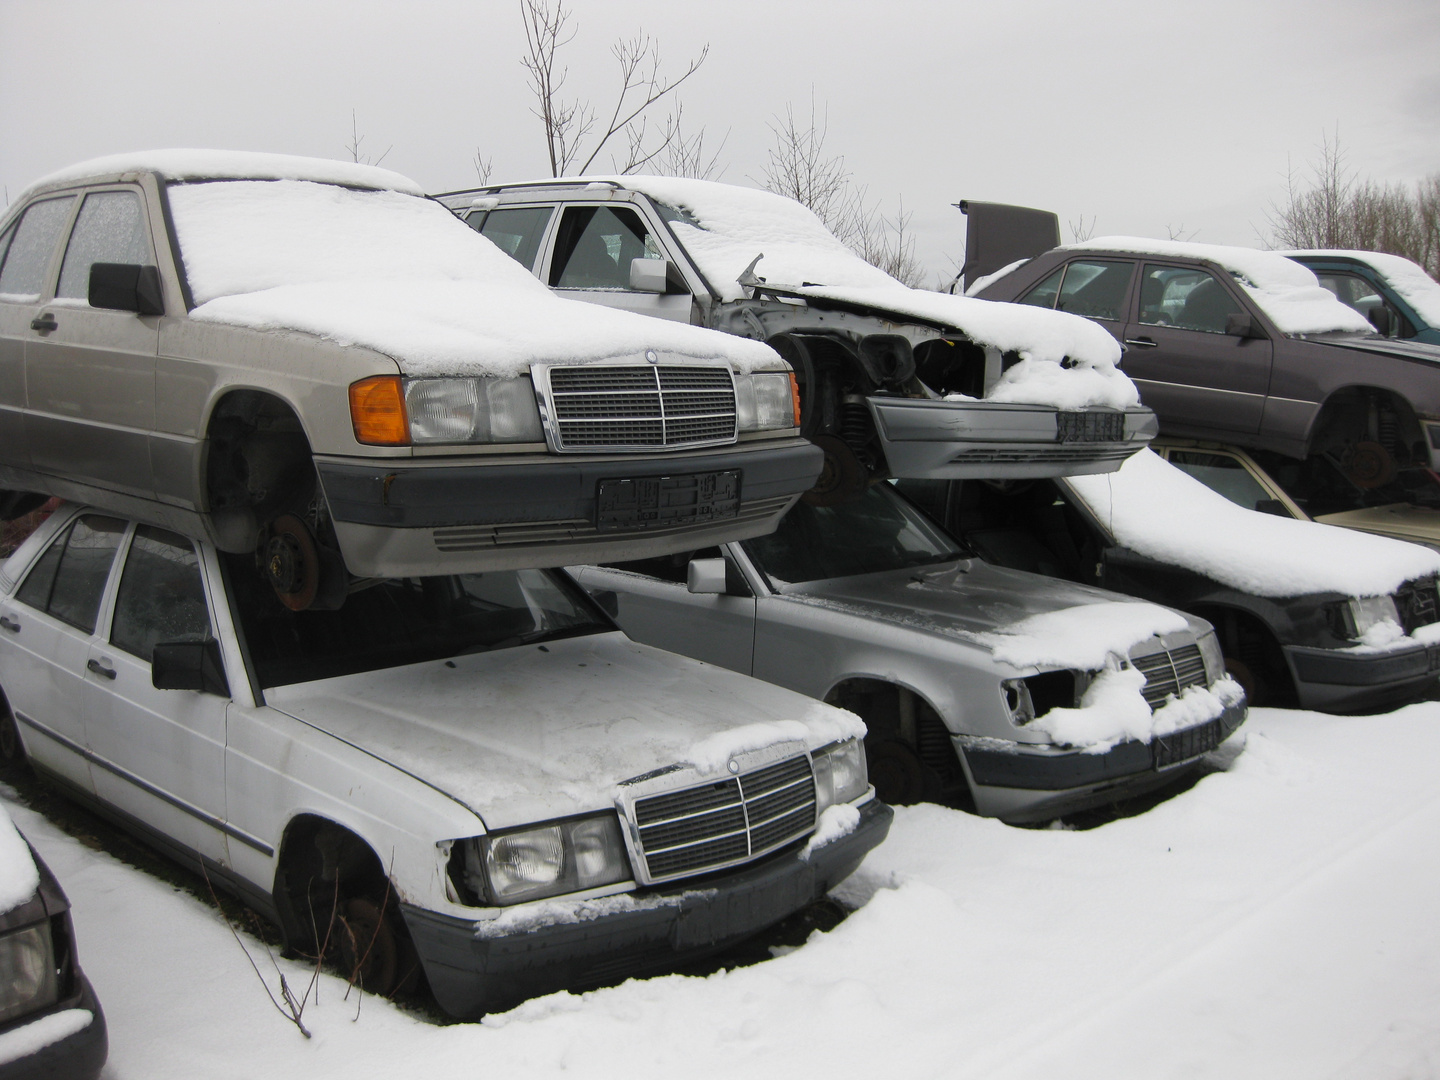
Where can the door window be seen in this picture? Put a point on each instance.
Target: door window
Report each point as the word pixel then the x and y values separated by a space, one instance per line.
pixel 517 231
pixel 596 245
pixel 161 596
pixel 1354 291
pixel 1226 475
pixel 1096 289
pixel 110 228
pixel 22 275
pixel 1044 294
pixel 69 580
pixel 1186 299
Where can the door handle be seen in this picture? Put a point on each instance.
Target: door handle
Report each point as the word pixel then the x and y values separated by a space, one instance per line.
pixel 44 323
pixel 1141 342
pixel 99 669
pixel 10 624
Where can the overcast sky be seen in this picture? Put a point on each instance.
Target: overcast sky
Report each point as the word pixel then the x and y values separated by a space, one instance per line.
pixel 1147 117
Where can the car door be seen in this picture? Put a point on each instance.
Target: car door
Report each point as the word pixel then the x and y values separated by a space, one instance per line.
pixel 158 755
pixel 590 254
pixel 48 627
pixel 90 372
pixel 650 600
pixel 1187 368
pixel 27 256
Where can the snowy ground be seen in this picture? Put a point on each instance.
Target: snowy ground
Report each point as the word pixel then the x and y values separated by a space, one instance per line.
pixel 1280 919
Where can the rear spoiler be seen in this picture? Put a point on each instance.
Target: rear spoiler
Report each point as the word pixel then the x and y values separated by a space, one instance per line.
pixel 998 234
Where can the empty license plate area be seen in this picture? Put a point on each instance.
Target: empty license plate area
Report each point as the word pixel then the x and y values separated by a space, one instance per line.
pixel 1184 745
pixel 1089 427
pixel 651 501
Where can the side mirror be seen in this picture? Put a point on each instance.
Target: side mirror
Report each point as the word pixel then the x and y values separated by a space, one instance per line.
pixel 650 275
pixel 706 577
pixel 189 665
pixel 125 287
pixel 1241 324
pixel 1380 318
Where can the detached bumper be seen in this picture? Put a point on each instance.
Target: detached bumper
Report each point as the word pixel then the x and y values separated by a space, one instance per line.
pixel 959 440
pixel 424 516
pixel 471 975
pixel 1023 782
pixel 1348 682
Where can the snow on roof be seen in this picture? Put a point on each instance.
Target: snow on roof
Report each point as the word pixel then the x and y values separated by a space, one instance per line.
pixel 401 275
pixel 1158 511
pixel 1288 293
pixel 18 877
pixel 234 165
pixel 1408 279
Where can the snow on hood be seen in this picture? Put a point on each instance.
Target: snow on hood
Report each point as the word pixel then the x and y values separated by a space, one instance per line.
pixel 735 224
pixel 401 275
pixel 520 735
pixel 1082 637
pixel 1408 279
pixel 1158 511
pixel 233 164
pixel 1289 294
pixel 1113 709
pixel 18 876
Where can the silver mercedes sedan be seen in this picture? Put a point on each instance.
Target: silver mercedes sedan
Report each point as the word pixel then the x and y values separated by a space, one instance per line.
pixel 1020 696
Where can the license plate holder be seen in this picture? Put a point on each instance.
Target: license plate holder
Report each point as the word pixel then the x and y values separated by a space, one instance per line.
pixel 649 502
pixel 1089 427
pixel 1180 746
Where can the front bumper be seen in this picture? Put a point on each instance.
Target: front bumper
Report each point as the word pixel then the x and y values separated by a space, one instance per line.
pixel 79 1056
pixel 414 517
pixel 926 439
pixel 1025 782
pixel 1332 680
pixel 471 975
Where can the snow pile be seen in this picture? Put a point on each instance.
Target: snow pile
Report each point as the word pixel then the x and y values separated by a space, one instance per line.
pixel 1287 292
pixel 18 876
pixel 1113 710
pixel 822 724
pixel 1408 279
pixel 835 823
pixel 1158 511
pixel 524 918
pixel 1084 637
pixel 403 276
pixel 38 1034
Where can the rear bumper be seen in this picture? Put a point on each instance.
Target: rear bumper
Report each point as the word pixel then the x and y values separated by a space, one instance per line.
pixel 1023 782
pixel 1333 680
pixel 925 439
pixel 472 974
pixel 396 518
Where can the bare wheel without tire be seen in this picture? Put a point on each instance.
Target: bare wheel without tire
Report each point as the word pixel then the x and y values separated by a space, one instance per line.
pixel 842 477
pixel 370 951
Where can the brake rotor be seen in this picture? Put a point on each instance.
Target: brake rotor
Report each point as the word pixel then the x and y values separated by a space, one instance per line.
pixel 291 562
pixel 1369 465
pixel 842 476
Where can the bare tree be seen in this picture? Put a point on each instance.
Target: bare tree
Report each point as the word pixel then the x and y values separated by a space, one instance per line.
pixel 356 140
pixel 1081 230
pixel 483 166
pixel 1177 232
pixel 570 125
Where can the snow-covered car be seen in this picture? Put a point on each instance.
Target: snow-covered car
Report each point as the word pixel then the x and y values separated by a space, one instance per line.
pixel 1245 346
pixel 894 381
pixel 51 1024
pixel 1306 614
pixel 1020 696
pixel 311 360
pixel 1310 490
pixel 478 775
pixel 1394 294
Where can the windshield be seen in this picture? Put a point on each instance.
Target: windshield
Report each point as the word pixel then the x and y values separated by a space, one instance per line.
pixel 405 621
pixel 877 531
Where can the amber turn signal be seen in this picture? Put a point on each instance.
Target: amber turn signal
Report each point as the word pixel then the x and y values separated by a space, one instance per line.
pixel 377 411
pixel 795 397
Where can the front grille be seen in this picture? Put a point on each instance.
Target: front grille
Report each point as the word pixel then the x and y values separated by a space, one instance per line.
pixel 1057 453
pixel 644 407
pixel 1170 672
pixel 728 821
pixel 1181 746
pixel 1416 603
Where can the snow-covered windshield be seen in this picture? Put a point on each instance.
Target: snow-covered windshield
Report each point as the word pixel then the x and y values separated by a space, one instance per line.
pixel 407 621
pixel 875 532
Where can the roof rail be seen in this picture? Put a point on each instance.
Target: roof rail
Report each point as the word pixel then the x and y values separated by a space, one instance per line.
pixel 492 189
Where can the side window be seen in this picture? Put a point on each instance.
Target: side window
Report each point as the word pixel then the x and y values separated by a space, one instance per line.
pixel 110 228
pixel 1186 299
pixel 1226 475
pixel 22 276
pixel 161 596
pixel 1096 289
pixel 596 245
pixel 69 579
pixel 671 568
pixel 516 231
pixel 1354 291
pixel 1044 294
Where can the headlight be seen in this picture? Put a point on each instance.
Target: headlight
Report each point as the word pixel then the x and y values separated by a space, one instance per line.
pixel 1363 613
pixel 388 410
pixel 1213 656
pixel 27 972
pixel 766 401
pixel 548 860
pixel 840 775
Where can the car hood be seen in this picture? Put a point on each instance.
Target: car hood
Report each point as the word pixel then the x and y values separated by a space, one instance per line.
pixel 1397 347
pixel 536 732
pixel 1418 524
pixel 993 607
